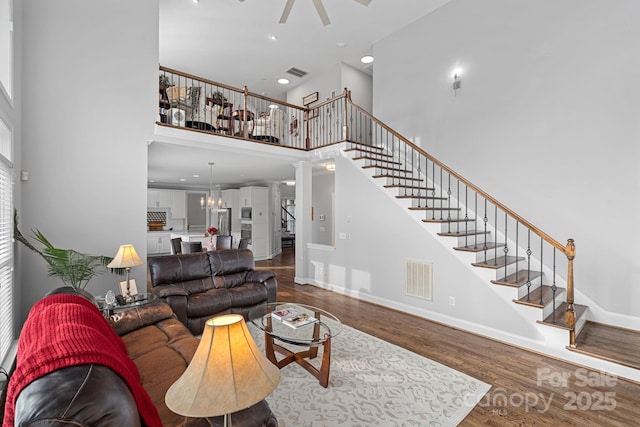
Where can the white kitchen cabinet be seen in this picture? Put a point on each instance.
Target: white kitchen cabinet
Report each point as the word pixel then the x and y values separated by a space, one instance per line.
pixel 178 204
pixel 158 243
pixel 158 198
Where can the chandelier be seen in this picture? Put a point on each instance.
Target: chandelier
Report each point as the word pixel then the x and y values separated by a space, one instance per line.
pixel 214 200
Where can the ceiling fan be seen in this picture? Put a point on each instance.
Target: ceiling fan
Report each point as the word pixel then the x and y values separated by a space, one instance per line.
pixel 319 8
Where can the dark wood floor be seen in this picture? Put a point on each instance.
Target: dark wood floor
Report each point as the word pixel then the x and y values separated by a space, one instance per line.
pixel 529 389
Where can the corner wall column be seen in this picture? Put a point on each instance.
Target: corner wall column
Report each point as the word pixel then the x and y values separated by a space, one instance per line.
pixel 304 181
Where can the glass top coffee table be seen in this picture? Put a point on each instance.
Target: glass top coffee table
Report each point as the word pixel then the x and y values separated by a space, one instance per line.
pixel 287 329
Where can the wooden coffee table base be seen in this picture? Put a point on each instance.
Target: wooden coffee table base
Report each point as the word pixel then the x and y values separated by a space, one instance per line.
pixel 301 357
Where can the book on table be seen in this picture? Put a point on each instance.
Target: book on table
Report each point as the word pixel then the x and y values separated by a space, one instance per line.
pixel 299 320
pixel 285 313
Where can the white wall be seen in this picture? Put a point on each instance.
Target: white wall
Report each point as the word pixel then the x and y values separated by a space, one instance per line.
pixel 545 120
pixel 335 79
pixel 90 94
pixel 322 231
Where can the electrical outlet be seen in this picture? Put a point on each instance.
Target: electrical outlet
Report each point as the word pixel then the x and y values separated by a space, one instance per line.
pixel 452 300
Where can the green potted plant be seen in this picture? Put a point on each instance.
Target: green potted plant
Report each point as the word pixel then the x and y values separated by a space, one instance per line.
pixel 218 97
pixel 164 81
pixel 72 267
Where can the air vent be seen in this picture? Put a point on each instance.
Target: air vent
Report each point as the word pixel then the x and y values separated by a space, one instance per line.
pixel 297 72
pixel 418 279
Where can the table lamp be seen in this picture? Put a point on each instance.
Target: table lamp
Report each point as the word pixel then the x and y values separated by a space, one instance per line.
pixel 228 373
pixel 126 258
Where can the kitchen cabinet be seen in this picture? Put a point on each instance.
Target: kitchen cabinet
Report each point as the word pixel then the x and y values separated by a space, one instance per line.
pixel 178 204
pixel 250 196
pixel 158 198
pixel 158 243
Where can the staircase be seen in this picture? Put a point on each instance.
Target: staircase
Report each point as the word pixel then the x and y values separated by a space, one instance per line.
pixel 444 199
pixel 535 266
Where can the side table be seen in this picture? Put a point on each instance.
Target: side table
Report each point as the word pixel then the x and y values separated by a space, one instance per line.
pixel 139 300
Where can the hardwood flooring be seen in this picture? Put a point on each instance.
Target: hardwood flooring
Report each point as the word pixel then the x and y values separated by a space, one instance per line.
pixel 529 389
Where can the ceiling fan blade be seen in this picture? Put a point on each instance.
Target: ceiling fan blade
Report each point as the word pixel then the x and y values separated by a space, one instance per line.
pixel 362 2
pixel 286 11
pixel 323 13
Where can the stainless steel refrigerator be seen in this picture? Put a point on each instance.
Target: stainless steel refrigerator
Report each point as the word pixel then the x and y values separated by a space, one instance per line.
pixel 224 222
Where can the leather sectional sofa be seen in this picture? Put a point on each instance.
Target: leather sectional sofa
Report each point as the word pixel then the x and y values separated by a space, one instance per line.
pixel 201 285
pixel 79 388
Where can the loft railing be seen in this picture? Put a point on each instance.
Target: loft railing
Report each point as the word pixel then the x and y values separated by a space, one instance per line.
pixel 207 106
pixel 520 251
pixel 523 254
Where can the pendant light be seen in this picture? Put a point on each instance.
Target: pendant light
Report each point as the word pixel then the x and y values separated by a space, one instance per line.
pixel 214 200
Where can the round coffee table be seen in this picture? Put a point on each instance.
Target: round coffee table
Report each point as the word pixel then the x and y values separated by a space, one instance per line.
pixel 311 335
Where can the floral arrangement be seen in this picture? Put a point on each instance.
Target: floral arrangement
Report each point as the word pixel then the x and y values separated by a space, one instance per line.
pixel 211 231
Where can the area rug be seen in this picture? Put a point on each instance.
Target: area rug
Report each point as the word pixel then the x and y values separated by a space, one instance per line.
pixel 373 383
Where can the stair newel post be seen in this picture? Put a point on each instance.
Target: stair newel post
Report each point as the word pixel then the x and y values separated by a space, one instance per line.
pixel 345 118
pixel 570 314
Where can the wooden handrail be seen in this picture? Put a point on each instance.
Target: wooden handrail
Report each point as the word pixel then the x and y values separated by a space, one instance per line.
pixel 495 202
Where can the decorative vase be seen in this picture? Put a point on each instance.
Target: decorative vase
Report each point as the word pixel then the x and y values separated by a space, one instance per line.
pixel 211 246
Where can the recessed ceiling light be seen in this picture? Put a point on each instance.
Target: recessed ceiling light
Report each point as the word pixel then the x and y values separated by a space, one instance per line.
pixel 341 45
pixel 273 37
pixel 196 176
pixel 196 1
pixel 283 81
pixel 182 179
pixel 367 59
pixel 290 183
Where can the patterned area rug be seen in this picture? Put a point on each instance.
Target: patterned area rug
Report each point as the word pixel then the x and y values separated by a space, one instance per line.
pixel 373 383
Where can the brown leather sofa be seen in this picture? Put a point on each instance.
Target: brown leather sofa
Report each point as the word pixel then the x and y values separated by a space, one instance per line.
pixel 201 285
pixel 94 395
pixel 162 347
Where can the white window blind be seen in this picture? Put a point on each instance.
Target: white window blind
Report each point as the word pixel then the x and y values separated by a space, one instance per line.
pixel 6 259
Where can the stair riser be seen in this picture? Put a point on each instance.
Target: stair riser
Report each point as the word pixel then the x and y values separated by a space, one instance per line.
pixel 401 181
pixel 548 309
pixel 462 226
pixel 522 290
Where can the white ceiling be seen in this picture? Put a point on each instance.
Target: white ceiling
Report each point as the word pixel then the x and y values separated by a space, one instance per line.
pixel 228 41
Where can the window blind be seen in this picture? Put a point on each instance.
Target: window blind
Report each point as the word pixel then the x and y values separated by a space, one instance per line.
pixel 6 259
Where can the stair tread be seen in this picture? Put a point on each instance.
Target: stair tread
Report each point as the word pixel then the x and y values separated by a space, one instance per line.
pixel 462 234
pixel 444 220
pixel 560 321
pixel 499 262
pixel 518 278
pixel 429 208
pixel 412 187
pixel 409 196
pixel 477 247
pixel 402 178
pixel 373 159
pixel 533 299
pixel 617 345
pixel 387 168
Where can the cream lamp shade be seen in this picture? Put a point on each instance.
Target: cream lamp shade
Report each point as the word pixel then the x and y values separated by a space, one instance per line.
pixel 126 257
pixel 228 372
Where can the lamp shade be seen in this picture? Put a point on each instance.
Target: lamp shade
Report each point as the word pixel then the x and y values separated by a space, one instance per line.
pixel 126 257
pixel 228 372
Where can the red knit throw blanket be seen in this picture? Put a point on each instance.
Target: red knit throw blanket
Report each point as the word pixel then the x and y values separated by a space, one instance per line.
pixel 65 330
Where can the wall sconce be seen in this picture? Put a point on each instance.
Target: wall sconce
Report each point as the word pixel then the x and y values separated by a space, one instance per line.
pixel 456 81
